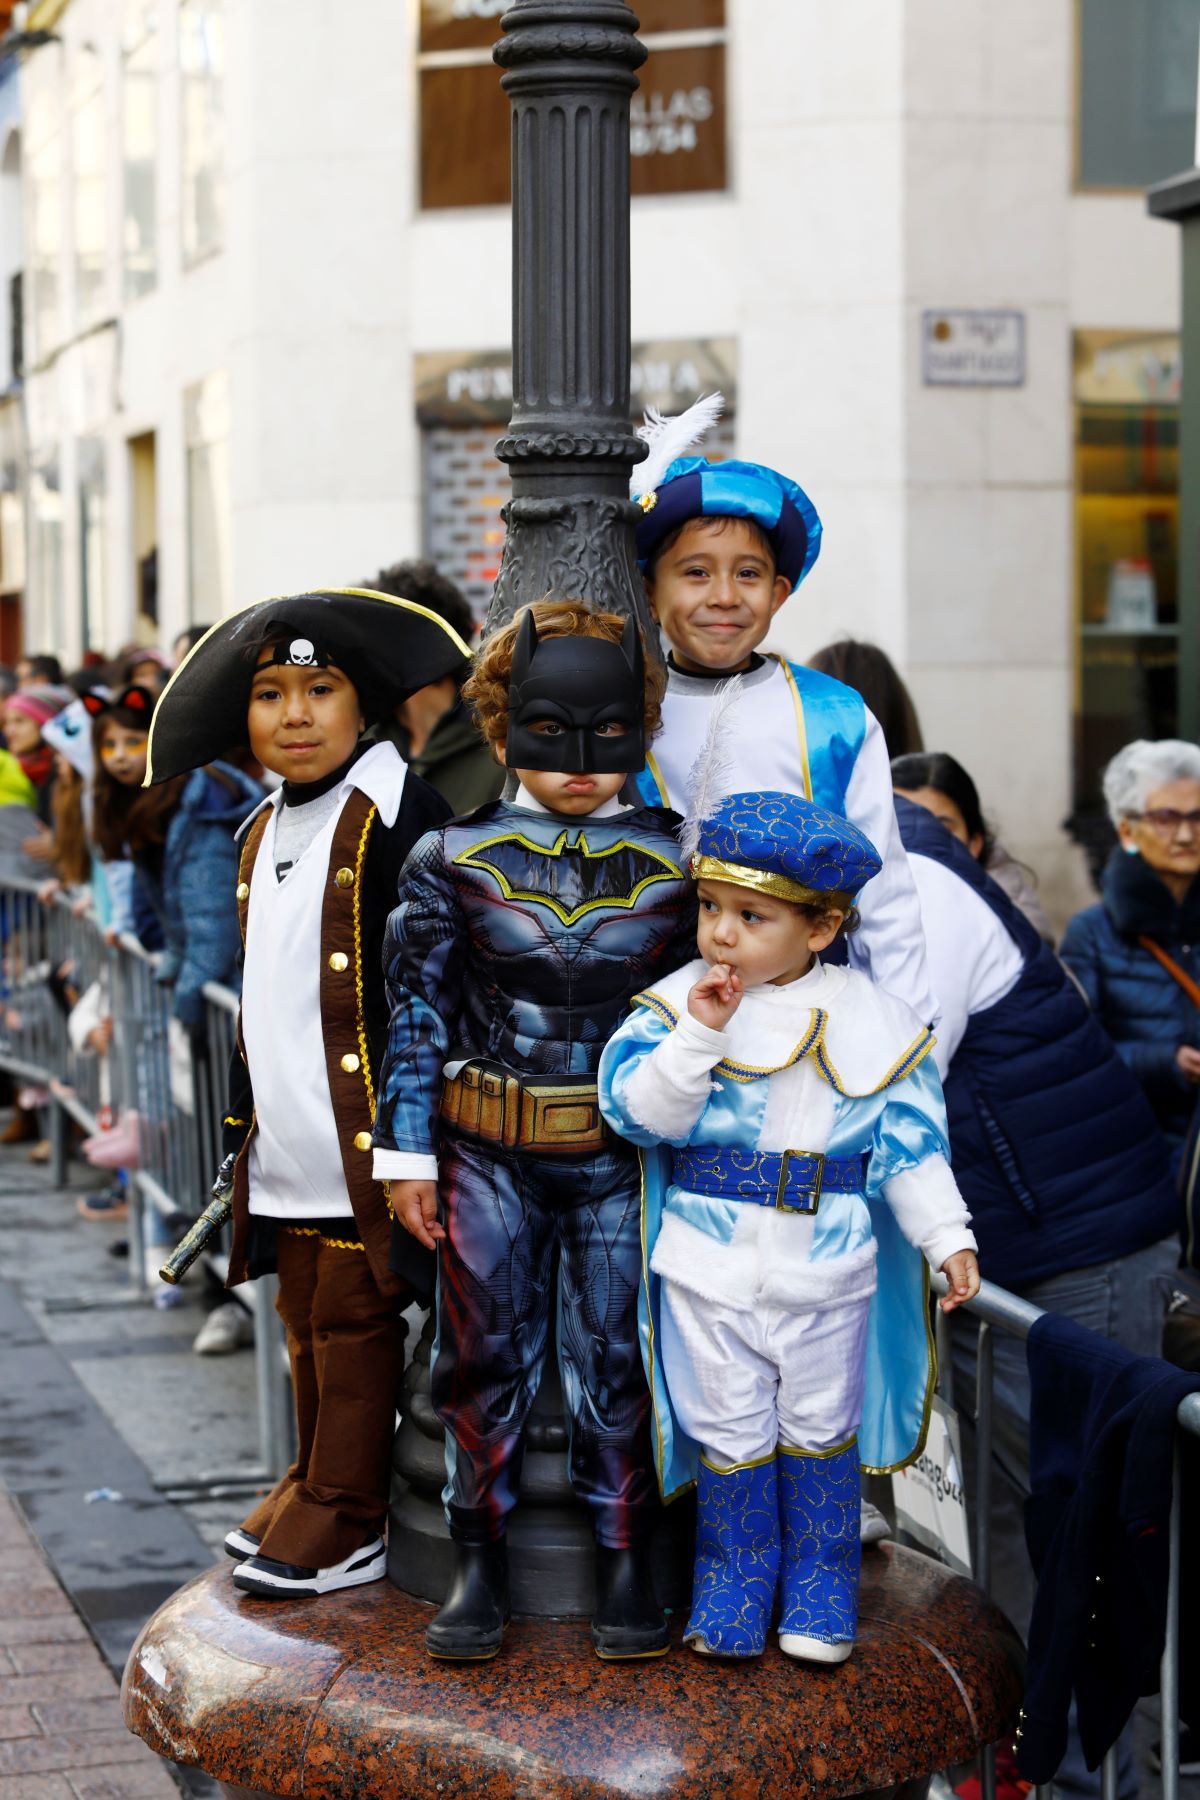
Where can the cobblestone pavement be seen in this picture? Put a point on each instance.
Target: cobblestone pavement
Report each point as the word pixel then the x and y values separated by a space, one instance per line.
pixel 101 1393
pixel 61 1732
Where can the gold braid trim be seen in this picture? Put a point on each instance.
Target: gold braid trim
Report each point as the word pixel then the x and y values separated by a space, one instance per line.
pixel 359 1017
pixel 331 1243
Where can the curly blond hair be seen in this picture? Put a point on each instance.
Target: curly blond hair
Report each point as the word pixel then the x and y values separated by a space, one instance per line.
pixel 486 688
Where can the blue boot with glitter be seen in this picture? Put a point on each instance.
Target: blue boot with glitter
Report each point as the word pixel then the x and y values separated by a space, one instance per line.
pixel 819 1522
pixel 737 1559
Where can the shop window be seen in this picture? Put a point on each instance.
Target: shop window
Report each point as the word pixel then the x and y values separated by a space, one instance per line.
pixel 202 71
pixel 677 117
pixel 91 217
pixel 210 559
pixel 1127 528
pixel 47 622
pixel 464 400
pixel 44 241
pixel 139 148
pixel 1136 91
pixel 93 543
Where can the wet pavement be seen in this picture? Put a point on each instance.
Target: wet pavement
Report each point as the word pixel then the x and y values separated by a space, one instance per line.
pixel 103 1405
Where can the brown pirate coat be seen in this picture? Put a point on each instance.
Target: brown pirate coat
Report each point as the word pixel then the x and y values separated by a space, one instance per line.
pixel 344 1027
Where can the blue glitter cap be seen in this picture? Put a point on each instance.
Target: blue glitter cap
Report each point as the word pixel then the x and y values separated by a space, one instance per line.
pixel 784 845
pixel 695 489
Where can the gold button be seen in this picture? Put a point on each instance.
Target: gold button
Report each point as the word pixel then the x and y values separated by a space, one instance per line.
pixel 339 961
pixel 243 892
pixel 350 1063
pixel 345 878
pixel 363 1141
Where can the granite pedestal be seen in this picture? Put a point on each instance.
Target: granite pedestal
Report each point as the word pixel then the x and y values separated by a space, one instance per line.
pixel 335 1699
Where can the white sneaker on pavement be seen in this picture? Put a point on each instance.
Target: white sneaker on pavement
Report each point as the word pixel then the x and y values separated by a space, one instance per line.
pixel 228 1327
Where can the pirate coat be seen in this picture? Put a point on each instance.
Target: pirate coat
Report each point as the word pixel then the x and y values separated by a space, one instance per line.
pixel 304 1147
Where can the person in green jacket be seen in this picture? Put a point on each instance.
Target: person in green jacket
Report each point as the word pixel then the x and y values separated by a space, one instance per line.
pixel 433 729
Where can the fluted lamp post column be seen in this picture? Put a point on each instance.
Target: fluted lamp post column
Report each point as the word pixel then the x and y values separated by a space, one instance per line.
pixel 569 71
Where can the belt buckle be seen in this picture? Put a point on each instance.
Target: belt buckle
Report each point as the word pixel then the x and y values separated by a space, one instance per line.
pixel 564 1119
pixel 814 1189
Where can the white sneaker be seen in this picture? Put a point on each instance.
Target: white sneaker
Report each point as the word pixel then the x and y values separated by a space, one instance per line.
pixel 271 1580
pixel 808 1649
pixel 873 1526
pixel 240 1544
pixel 228 1327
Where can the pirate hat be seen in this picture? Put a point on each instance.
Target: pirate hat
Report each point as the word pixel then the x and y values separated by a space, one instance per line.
pixel 387 647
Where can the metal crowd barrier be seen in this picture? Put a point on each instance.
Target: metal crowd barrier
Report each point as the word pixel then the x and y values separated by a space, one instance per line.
pixel 997 1310
pixel 175 1087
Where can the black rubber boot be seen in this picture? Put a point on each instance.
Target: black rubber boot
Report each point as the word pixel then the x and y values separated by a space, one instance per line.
pixel 628 1621
pixel 470 1626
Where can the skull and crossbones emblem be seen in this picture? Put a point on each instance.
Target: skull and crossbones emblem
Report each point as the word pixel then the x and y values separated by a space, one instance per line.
pixel 302 652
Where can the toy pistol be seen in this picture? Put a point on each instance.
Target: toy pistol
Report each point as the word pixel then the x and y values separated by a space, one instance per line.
pixel 210 1222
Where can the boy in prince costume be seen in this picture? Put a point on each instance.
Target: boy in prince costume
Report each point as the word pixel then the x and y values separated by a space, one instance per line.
pixel 803 1172
pixel 721 547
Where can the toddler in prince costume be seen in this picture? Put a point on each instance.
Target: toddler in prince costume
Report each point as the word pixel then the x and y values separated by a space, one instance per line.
pixel 796 1172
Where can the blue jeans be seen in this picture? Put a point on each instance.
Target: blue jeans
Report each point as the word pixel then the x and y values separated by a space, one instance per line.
pixel 1124 1300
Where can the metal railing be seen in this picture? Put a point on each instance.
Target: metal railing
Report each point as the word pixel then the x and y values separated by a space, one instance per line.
pixel 997 1310
pixel 159 1085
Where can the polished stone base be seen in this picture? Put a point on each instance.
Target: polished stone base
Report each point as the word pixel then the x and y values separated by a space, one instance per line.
pixel 335 1699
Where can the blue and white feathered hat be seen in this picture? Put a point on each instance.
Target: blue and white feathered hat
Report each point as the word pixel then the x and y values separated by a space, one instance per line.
pixel 672 487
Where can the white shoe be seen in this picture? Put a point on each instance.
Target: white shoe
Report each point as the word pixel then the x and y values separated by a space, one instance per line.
pixel 271 1580
pixel 873 1526
pixel 240 1544
pixel 808 1649
pixel 228 1327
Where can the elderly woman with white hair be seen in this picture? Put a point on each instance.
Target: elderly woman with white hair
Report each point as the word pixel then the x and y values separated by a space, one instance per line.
pixel 1137 954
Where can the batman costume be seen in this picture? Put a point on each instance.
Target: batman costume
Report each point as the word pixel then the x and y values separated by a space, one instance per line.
pixel 520 938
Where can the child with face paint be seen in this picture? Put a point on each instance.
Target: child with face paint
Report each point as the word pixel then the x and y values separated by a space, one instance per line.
pixel 300 679
pixel 522 932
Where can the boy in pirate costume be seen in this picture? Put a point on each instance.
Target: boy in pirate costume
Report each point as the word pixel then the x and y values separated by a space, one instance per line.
pixel 804 1172
pixel 522 932
pixel 721 547
pixel 300 679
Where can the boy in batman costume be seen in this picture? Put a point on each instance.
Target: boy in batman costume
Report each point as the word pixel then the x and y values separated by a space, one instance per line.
pixel 523 931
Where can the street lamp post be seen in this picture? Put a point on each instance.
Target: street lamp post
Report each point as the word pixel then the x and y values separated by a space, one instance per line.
pixel 569 71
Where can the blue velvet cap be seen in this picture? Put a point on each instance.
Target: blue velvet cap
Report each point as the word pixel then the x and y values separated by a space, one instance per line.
pixel 784 845
pixel 693 489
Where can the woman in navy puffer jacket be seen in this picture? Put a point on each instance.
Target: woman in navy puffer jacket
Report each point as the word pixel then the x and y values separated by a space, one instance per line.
pixel 1151 897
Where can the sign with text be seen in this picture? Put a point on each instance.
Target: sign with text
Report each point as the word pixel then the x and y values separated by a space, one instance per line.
pixel 929 1499
pixel 676 135
pixel 475 24
pixel 475 387
pixel 972 348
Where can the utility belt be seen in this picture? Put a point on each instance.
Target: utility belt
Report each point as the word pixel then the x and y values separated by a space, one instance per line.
pixel 788 1180
pixel 544 1115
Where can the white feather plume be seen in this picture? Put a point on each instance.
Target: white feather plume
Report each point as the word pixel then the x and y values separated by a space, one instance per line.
pixel 669 438
pixel 711 777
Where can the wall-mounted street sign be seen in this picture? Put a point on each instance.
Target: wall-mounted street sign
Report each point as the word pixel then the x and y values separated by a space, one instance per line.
pixel 973 348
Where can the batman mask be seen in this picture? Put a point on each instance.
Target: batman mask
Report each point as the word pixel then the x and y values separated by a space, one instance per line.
pixel 564 691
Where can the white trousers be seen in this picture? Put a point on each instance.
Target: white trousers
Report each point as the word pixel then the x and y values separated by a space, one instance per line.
pixel 744 1380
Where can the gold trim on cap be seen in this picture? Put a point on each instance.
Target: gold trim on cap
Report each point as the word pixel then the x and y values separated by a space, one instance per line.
pixel 350 1063
pixel 763 881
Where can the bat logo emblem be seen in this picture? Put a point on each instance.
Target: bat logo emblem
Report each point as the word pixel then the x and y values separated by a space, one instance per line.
pixel 568 876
